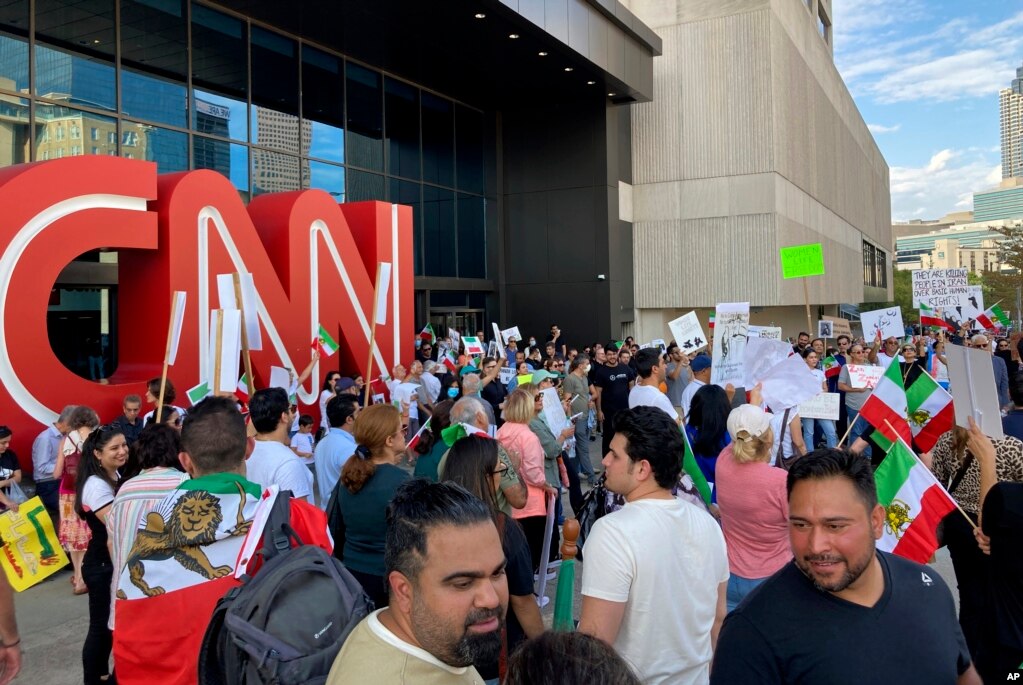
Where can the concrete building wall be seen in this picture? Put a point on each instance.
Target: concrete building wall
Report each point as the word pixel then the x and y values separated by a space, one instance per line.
pixel 751 143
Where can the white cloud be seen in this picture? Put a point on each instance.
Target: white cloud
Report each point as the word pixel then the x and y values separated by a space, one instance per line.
pixel 945 184
pixel 881 128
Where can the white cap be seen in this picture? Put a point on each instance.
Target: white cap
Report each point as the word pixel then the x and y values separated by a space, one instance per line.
pixel 748 421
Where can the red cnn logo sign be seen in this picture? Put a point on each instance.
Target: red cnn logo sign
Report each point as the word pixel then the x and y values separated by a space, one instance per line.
pixel 313 262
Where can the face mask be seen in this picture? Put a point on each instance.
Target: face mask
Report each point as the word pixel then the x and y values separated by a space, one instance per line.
pixel 586 369
pixel 452 392
pixel 532 342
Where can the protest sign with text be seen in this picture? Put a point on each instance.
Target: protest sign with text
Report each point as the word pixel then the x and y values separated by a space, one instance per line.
pixel 799 261
pixel 823 406
pixel 839 326
pixel 766 332
pixel 887 321
pixel 864 376
pixel 31 549
pixel 688 333
pixel 731 328
pixel 940 287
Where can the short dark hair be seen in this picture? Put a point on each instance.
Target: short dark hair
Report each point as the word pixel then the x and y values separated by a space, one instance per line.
pixel 306 419
pixel 839 338
pixel 568 657
pixel 653 436
pixel 266 407
pixel 802 333
pixel 158 445
pixel 340 408
pixel 131 398
pixel 169 395
pixel 417 506
pixel 213 435
pixel 646 360
pixel 828 462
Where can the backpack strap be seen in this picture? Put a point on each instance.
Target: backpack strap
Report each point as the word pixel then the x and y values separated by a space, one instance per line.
pixel 779 459
pixel 278 533
pixel 960 474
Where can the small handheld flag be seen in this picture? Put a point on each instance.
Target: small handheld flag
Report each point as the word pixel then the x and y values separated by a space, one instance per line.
pixel 324 343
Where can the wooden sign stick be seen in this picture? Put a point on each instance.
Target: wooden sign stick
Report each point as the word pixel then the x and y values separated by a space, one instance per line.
pixel 372 335
pixel 217 357
pixel 246 357
pixel 806 298
pixel 166 355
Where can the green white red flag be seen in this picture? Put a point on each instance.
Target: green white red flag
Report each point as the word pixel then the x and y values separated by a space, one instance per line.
pixel 690 466
pixel 887 405
pixel 914 503
pixel 930 411
pixel 831 367
pixel 998 317
pixel 933 317
pixel 323 343
pixel 427 334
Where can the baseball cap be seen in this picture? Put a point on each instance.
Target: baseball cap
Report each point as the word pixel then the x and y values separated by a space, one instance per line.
pixel 701 362
pixel 541 376
pixel 345 383
pixel 748 421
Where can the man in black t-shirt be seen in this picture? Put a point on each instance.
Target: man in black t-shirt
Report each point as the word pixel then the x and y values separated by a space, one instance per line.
pixel 613 382
pixel 841 612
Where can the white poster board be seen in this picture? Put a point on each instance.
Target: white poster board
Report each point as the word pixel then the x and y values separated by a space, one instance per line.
pixel 248 305
pixel 974 305
pixel 506 374
pixel 888 321
pixel 731 327
pixel 971 379
pixel 659 342
pixel 864 376
pixel 553 412
pixel 688 333
pixel 788 384
pixel 510 333
pixel 762 355
pixel 230 348
pixel 823 406
pixel 280 378
pixel 940 287
pixel 766 332
pixel 497 335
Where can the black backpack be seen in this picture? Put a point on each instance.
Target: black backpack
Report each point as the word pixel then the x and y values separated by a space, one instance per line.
pixel 287 622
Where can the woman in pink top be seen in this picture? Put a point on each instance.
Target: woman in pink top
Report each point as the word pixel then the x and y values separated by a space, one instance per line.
pixel 753 501
pixel 526 453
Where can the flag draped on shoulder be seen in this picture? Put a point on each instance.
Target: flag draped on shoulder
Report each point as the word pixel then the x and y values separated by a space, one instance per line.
pixel 690 466
pixel 930 411
pixel 914 503
pixel 887 405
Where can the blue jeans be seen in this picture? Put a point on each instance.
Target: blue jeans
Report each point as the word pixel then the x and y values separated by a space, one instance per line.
pixel 582 447
pixel 827 427
pixel 858 427
pixel 739 587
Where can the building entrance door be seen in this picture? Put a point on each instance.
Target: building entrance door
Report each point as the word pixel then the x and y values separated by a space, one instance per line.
pixel 465 321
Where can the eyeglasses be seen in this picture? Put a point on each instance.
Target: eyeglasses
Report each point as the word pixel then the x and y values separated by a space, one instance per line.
pixel 1003 347
pixel 501 470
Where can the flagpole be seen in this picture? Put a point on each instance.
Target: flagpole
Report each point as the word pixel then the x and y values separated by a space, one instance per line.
pixel 246 357
pixel 848 430
pixel 419 432
pixel 372 334
pixel 218 355
pixel 806 298
pixel 166 354
pixel 933 477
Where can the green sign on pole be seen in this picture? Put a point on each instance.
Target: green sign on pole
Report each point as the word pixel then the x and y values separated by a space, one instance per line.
pixel 798 261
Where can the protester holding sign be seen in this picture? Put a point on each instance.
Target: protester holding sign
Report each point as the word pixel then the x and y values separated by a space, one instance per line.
pixel 827 426
pixel 855 395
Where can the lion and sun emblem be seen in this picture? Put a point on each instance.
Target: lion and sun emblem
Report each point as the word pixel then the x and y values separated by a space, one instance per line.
pixel 897 518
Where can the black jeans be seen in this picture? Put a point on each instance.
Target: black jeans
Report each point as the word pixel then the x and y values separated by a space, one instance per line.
pixel 575 493
pixel 971 567
pixel 47 491
pixel 99 639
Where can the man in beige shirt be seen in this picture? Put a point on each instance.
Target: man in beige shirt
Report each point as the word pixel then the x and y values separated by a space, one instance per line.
pixel 448 594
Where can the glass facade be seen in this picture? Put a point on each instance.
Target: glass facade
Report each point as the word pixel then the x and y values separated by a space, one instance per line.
pixel 189 86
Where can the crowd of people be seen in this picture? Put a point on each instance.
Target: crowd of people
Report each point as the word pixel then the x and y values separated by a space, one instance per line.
pixel 435 488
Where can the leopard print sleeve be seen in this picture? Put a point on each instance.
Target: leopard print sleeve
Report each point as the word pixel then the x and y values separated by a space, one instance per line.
pixel 1009 460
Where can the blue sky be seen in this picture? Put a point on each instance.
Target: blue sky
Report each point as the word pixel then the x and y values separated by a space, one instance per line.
pixel 925 75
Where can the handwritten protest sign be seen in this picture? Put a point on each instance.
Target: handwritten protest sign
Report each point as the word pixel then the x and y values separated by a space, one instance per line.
pixel 888 321
pixel 31 550
pixel 731 328
pixel 823 406
pixel 940 287
pixel 798 261
pixel 973 307
pixel 506 374
pixel 864 376
pixel 688 333
pixel 510 334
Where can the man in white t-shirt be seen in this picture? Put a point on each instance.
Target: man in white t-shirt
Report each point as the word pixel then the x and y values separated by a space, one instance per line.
pixel 885 356
pixel 656 571
pixel 272 462
pixel 647 390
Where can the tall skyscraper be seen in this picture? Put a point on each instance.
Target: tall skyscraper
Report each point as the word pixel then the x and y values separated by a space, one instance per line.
pixel 1010 106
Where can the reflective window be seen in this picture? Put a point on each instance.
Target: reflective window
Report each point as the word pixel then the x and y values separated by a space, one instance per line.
pixel 439 239
pixel 54 123
pixel 328 177
pixel 154 36
pixel 365 117
pixel 472 237
pixel 469 149
pixel 153 99
pixel 219 52
pixel 271 128
pixel 363 185
pixel 13 64
pixel 273 172
pixel 408 193
pixel 219 115
pixel 85 26
pixel 323 103
pixel 438 140
pixel 402 107
pixel 15 134
pixel 274 71
pixel 230 159
pixel 74 78
pixel 169 149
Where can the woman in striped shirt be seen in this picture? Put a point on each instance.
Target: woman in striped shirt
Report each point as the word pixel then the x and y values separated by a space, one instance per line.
pixel 156 454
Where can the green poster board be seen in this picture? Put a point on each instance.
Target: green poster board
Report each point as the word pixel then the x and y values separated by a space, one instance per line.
pixel 798 261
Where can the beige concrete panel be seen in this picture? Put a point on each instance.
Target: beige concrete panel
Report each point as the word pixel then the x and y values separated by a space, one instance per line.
pixel 625 201
pixel 751 194
pixel 703 197
pixel 656 201
pixel 662 13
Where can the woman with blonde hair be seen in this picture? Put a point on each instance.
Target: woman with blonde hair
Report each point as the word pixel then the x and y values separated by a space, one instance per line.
pixel 753 502
pixel 357 511
pixel 527 455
